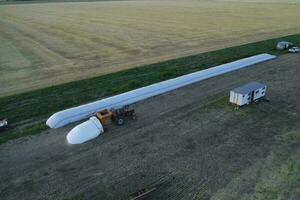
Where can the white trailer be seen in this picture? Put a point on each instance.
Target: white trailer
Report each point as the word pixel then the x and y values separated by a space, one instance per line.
pixel 247 93
pixel 3 123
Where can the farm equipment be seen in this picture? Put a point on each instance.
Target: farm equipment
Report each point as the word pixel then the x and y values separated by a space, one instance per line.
pixel 3 123
pixel 94 126
pixel 117 116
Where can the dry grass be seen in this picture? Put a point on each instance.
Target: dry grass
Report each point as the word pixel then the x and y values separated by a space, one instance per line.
pixel 48 44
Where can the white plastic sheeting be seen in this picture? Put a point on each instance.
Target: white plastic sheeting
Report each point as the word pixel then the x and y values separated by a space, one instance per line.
pixel 70 115
pixel 85 131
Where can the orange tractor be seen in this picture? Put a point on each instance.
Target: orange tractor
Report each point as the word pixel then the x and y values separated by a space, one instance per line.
pixel 117 116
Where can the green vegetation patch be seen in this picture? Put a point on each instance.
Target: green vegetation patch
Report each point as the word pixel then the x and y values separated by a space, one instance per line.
pixel 24 131
pixel 38 105
pixel 281 177
pixel 275 177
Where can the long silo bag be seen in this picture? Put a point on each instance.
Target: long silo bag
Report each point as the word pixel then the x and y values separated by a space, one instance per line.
pixel 74 114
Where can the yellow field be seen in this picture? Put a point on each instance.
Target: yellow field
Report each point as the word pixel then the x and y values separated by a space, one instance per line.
pixel 52 43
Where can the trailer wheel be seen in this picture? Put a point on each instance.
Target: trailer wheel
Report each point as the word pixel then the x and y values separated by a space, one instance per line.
pixel 120 121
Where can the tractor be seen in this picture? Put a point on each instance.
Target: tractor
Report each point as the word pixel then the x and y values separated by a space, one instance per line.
pixel 117 116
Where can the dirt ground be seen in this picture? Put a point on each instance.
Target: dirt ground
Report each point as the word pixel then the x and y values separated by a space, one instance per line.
pixel 188 143
pixel 53 43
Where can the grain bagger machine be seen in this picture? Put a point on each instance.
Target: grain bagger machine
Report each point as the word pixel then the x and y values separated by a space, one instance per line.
pixel 94 126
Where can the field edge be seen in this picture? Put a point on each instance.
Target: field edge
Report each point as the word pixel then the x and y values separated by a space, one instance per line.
pixel 34 106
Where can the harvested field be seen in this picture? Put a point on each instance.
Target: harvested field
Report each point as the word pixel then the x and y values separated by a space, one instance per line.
pixel 189 144
pixel 51 43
